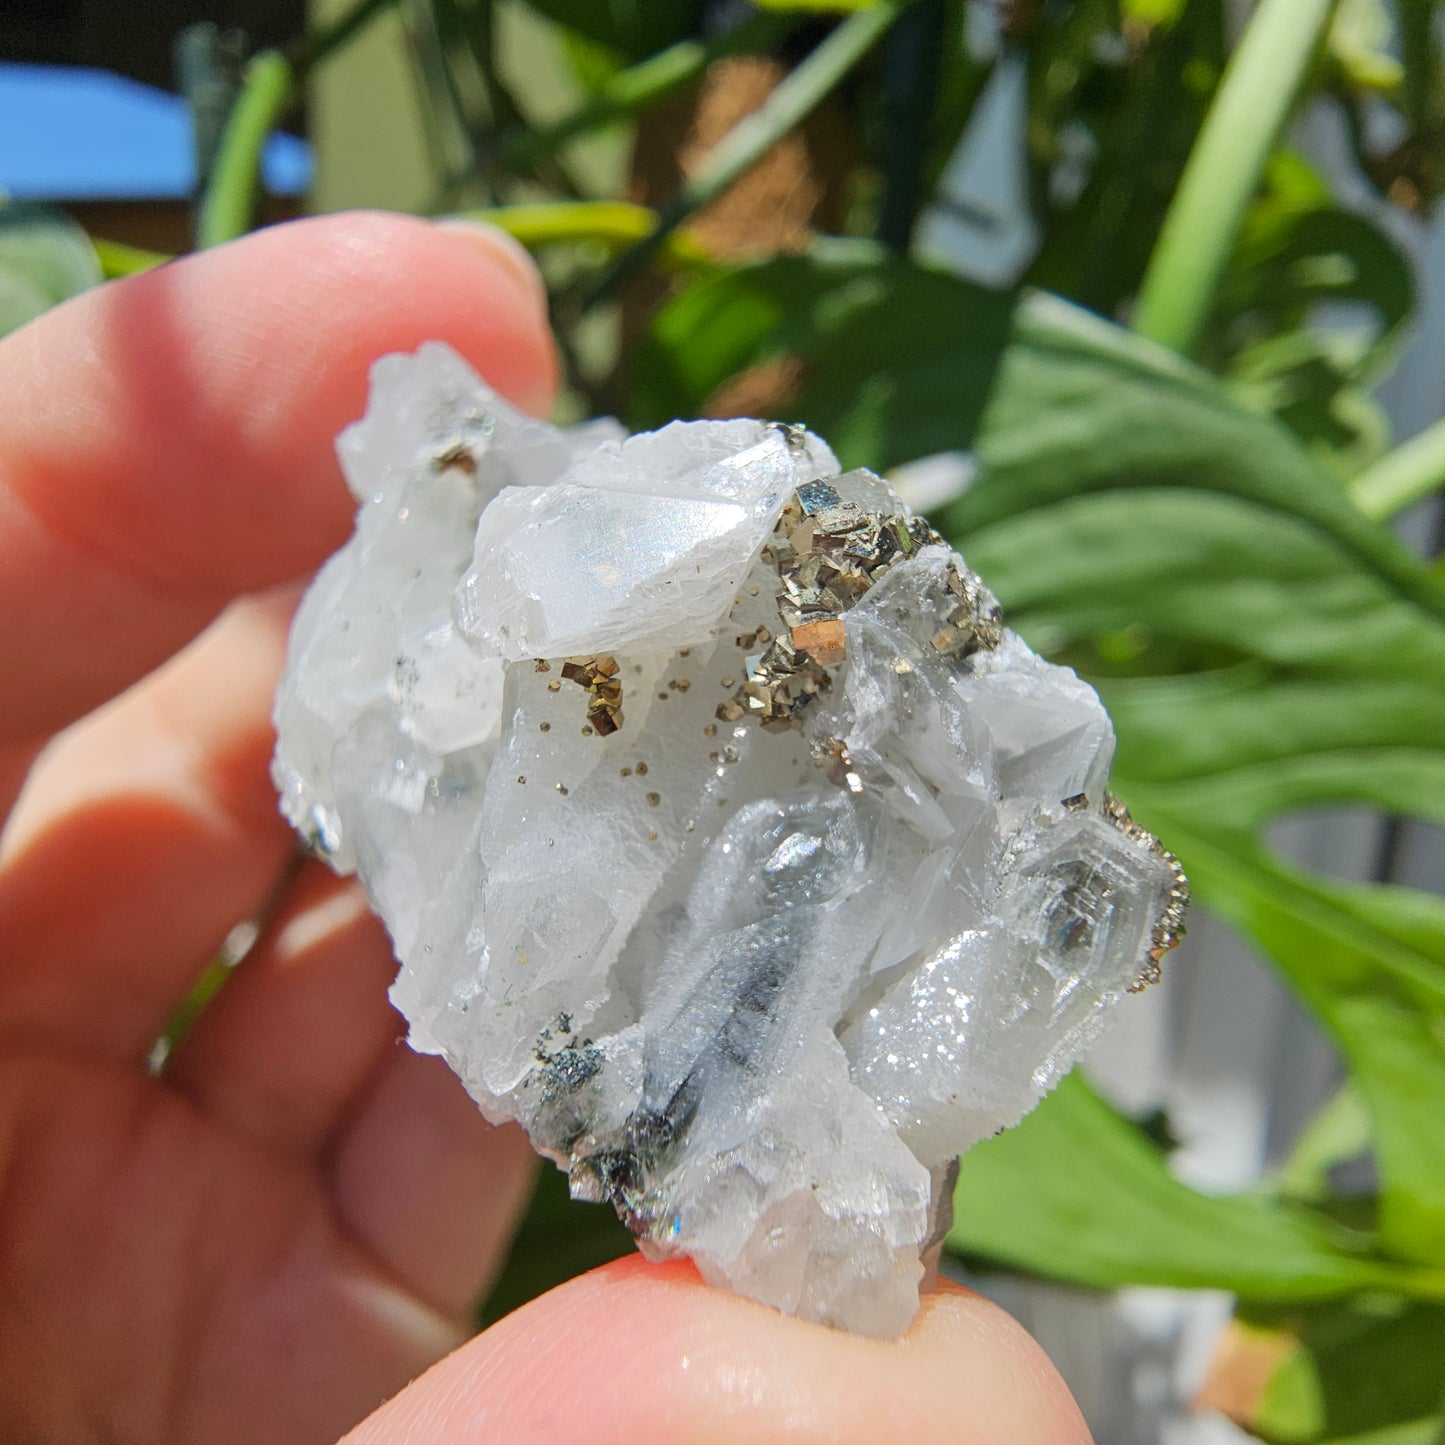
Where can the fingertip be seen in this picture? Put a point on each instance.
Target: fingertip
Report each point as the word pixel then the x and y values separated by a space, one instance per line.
pixel 643 1351
pixel 170 413
pixel 955 1323
pixel 504 247
pixel 500 259
pixel 384 282
pixel 943 1285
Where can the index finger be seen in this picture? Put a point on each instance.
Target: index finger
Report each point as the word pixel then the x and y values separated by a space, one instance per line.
pixel 165 441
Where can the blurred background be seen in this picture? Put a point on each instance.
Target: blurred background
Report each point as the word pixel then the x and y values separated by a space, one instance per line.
pixel 1144 302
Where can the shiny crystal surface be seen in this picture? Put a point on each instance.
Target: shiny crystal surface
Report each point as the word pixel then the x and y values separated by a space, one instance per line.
pixel 728 839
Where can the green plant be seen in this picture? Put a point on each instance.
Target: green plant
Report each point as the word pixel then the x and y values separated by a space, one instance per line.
pixel 1184 486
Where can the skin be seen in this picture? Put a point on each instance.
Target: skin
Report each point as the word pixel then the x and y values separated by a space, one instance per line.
pixel 294 1220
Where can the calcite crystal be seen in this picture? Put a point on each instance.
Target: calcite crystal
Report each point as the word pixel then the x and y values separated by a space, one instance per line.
pixel 728 839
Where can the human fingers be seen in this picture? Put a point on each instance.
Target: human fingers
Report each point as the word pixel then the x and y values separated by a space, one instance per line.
pixel 302 1052
pixel 151 828
pixel 165 441
pixel 145 834
pixel 427 1186
pixel 301 1025
pixel 637 1352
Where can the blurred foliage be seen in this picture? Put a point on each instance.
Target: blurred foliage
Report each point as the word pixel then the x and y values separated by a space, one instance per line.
pixel 1367 1373
pixel 1203 535
pixel 44 258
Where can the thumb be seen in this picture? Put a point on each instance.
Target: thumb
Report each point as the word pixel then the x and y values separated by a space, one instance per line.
pixel 640 1352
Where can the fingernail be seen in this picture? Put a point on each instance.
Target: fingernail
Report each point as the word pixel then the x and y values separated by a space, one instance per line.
pixel 505 248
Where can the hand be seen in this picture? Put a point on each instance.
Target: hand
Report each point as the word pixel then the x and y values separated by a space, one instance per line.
pixel 296 1217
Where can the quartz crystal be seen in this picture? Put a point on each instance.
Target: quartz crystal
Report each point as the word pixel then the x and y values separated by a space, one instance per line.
pixel 727 838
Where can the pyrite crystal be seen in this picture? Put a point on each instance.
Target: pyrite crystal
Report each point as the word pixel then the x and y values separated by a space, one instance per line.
pixel 728 839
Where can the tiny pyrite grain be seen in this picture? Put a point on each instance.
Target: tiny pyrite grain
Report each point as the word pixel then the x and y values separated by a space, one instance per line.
pixel 728 838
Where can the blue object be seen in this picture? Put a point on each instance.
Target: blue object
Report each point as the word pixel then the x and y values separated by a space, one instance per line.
pixel 74 134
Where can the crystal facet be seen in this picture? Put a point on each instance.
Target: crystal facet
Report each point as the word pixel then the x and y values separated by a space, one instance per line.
pixel 727 839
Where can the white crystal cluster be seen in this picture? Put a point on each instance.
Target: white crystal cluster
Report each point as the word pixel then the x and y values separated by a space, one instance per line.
pixel 727 839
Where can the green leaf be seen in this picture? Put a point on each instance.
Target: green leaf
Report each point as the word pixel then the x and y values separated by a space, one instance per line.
pixel 1077 1193
pixel 1288 260
pixel 1339 1132
pixel 1379 987
pixel 1360 42
pixel 632 28
pixel 816 7
pixel 1371 1371
pixel 1417 1432
pixel 1121 489
pixel 873 387
pixel 1268 72
pixel 1113 113
pixel 116 259
pixel 1311 381
pixel 1298 251
pixel 591 65
pixel 1263 647
pixel 1152 12
pixel 44 259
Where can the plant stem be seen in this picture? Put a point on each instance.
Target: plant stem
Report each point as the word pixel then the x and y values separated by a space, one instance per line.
pixel 911 70
pixel 271 84
pixel 612 224
pixel 1420 60
pixel 756 134
pixel 433 29
pixel 505 111
pixel 628 91
pixel 228 206
pixel 315 46
pixel 1406 475
pixel 1253 102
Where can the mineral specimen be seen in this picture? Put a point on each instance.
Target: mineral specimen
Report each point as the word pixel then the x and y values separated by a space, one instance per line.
pixel 727 838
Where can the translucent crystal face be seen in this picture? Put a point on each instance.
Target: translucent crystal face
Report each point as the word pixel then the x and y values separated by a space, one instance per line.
pixel 727 838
